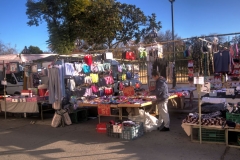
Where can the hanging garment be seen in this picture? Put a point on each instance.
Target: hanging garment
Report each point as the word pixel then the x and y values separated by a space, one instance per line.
pixel 129 75
pixel 130 55
pixel 108 91
pixel 107 66
pixel 116 87
pixel 88 92
pixel 197 56
pixel 79 80
pixel 71 84
pixel 88 80
pixel 94 77
pixel 79 92
pixel 86 68
pixel 88 59
pixel 102 82
pixel 124 77
pixel 221 61
pixel 69 69
pixel 94 89
pixel 136 68
pixel 142 54
pixel 94 67
pixel 55 84
pixel 119 68
pixel 109 80
pixel 78 66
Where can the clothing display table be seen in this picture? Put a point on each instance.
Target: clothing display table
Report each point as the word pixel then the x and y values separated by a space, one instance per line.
pixel 24 107
pixel 20 107
pixel 119 106
pixel 220 99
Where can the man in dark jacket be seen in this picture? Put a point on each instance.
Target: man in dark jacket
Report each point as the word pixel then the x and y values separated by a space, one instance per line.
pixel 161 93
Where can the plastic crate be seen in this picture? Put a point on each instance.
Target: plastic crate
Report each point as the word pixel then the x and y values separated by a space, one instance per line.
pixel 101 128
pixel 79 116
pixel 110 132
pixel 130 133
pixel 209 135
pixel 233 117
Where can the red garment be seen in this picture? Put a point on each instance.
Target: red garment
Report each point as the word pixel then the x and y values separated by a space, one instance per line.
pixel 130 55
pixel 88 59
pixel 108 91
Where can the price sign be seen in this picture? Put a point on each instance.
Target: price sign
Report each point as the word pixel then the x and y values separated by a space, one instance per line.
pixel 128 91
pixel 198 80
pixel 104 109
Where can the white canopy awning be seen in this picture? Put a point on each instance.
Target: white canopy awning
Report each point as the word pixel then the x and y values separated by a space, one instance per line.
pixel 33 57
pixel 10 58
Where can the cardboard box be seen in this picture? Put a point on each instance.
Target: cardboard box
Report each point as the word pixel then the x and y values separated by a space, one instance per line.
pixel 15 100
pixel 31 99
pixel 22 99
pixel 8 99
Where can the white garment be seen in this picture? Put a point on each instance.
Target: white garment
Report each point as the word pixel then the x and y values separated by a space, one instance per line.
pixel 78 67
pixel 163 114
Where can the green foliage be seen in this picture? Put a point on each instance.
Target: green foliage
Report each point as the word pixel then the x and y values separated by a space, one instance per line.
pixel 101 22
pixel 31 50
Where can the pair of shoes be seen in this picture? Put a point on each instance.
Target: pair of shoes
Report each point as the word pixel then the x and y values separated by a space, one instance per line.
pixel 165 129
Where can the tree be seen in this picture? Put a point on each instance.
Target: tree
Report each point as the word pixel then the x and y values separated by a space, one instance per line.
pixel 7 48
pixel 102 22
pixel 32 50
pixel 135 24
pixel 166 39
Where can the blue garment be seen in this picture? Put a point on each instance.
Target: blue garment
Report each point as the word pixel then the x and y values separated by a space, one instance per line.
pixel 86 68
pixel 221 61
pixel 129 75
pixel 69 69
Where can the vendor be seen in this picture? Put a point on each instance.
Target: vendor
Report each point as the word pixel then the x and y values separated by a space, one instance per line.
pixel 161 92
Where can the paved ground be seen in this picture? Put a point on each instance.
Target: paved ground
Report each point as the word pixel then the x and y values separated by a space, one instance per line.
pixel 19 139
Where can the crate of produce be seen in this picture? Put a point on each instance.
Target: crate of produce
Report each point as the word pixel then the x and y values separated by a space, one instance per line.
pixel 209 135
pixel 233 117
pixel 79 115
pixel 110 132
pixel 102 128
pixel 132 132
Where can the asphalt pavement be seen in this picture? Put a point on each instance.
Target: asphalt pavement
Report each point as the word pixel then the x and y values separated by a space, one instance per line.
pixel 22 139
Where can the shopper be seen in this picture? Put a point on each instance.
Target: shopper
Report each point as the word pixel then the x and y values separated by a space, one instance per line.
pixel 161 92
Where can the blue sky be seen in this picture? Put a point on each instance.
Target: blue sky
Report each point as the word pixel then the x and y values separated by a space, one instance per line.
pixel 191 18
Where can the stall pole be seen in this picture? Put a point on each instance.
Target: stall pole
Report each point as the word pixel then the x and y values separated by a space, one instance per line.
pixel 4 72
pixel 199 107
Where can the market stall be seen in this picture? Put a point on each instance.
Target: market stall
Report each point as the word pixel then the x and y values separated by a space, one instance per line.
pixel 217 120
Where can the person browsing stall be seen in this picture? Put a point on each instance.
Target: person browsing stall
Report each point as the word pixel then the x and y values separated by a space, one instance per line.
pixel 161 93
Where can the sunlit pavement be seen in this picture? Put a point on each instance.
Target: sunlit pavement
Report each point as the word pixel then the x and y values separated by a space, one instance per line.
pixel 22 140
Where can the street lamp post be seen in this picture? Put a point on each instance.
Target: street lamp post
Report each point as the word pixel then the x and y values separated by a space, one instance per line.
pixel 174 71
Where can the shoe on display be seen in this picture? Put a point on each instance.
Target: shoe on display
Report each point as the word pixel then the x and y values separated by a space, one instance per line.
pixel 165 129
